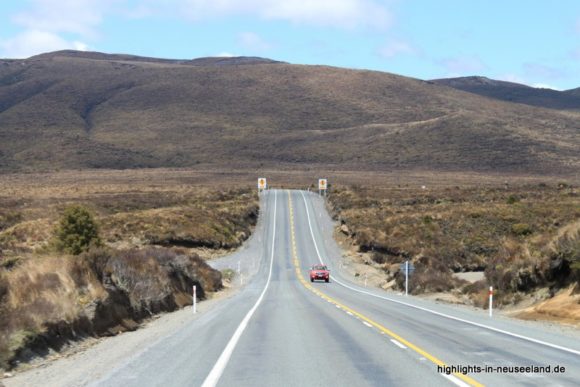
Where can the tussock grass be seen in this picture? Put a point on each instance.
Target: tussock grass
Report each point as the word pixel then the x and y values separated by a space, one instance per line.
pixel 132 214
pixel 48 301
pixel 40 293
pixel 524 237
pixel 48 298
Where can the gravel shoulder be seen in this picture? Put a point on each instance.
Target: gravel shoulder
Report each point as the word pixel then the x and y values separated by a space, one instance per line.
pixel 91 359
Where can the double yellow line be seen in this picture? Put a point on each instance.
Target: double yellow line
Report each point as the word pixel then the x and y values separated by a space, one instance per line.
pixel 362 317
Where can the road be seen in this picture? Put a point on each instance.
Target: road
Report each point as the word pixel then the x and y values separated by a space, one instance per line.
pixel 281 330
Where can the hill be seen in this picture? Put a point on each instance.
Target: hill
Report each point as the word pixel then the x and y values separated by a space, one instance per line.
pixel 515 92
pixel 71 110
pixel 575 92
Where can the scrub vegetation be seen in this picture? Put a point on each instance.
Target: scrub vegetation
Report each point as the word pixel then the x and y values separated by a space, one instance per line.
pixel 73 110
pixel 86 257
pixel 525 239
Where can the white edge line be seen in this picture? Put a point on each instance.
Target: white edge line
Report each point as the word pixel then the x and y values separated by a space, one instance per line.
pixel 216 372
pixel 398 344
pixel 454 380
pixel 367 324
pixel 555 346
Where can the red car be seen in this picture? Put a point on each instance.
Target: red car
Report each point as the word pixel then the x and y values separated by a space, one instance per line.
pixel 319 272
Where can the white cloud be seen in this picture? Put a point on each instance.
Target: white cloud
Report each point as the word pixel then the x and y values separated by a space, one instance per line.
pixel 44 24
pixel 463 65
pixel 140 11
pixel 253 42
pixel 544 86
pixel 396 47
pixel 32 42
pixel 64 16
pixel 225 54
pixel 517 79
pixel 336 13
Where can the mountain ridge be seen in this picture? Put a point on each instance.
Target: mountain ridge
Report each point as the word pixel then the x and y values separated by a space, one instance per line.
pixel 67 111
pixel 204 61
pixel 515 92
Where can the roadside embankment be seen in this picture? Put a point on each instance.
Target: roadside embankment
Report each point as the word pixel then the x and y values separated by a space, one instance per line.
pixel 523 240
pixel 153 238
pixel 51 301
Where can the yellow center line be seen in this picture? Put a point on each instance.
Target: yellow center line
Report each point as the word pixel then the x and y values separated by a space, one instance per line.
pixel 422 352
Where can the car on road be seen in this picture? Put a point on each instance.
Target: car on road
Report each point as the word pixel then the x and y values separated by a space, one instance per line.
pixel 319 272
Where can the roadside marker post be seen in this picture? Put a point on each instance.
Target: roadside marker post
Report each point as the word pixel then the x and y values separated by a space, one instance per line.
pixel 194 299
pixel 408 268
pixel 490 300
pixel 406 278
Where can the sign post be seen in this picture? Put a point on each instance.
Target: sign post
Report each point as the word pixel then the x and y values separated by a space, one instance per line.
pixel 408 269
pixel 194 299
pixel 406 278
pixel 262 184
pixel 490 300
pixel 322 186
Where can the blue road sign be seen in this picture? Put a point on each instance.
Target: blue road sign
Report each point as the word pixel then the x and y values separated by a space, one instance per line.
pixel 404 268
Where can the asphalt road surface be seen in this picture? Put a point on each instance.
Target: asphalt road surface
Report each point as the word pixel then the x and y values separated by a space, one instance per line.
pixel 282 330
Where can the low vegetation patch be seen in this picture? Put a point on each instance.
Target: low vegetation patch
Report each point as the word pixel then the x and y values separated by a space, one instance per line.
pixel 523 238
pixel 49 301
pixel 96 258
pixel 169 216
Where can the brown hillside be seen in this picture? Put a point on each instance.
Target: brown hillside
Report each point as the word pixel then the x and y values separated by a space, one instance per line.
pixel 575 92
pixel 72 110
pixel 515 92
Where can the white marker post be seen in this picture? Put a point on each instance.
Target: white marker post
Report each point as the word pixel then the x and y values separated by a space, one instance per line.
pixel 406 278
pixel 490 300
pixel 194 299
pixel 239 267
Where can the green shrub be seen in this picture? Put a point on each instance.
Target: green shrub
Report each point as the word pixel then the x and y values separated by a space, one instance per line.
pixel 521 229
pixel 512 199
pixel 77 230
pixel 228 274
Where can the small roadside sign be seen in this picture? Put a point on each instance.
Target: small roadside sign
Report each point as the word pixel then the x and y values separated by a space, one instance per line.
pixel 407 268
pixel 322 184
pixel 262 183
pixel 404 268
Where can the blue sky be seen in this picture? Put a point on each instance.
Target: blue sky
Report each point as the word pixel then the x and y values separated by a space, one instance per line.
pixel 533 42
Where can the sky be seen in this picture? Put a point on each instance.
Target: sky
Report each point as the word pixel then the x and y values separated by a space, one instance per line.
pixel 534 42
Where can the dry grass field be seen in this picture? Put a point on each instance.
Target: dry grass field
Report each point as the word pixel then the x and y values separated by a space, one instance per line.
pixel 523 235
pixel 156 223
pixel 154 226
